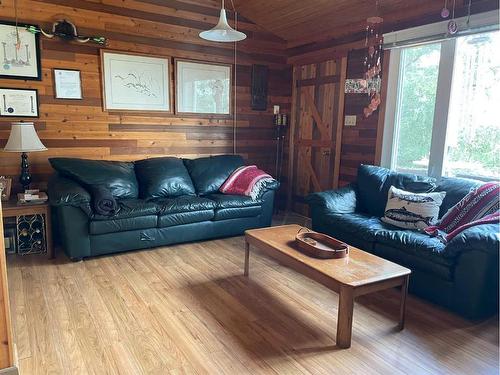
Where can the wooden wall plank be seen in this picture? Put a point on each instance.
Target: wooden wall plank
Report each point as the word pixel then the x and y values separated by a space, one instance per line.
pixel 165 28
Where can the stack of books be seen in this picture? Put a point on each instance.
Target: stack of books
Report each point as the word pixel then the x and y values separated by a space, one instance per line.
pixel 32 196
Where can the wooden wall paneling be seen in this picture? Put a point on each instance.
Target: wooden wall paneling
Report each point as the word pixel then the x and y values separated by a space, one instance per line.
pixel 165 28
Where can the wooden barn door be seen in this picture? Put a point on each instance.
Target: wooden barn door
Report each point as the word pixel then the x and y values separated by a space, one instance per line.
pixel 318 106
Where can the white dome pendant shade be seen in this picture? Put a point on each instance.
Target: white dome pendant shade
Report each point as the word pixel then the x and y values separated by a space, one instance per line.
pixel 222 32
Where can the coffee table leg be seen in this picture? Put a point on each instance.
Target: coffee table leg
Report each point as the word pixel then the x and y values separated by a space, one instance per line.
pixel 344 320
pixel 247 258
pixel 402 306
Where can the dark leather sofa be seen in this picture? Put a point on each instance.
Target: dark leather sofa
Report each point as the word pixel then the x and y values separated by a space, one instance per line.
pixel 461 275
pixel 161 201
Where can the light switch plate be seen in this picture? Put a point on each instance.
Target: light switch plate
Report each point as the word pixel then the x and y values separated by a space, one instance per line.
pixel 350 120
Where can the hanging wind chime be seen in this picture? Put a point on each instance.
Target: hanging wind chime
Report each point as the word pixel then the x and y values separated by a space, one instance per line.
pixel 452 27
pixel 373 61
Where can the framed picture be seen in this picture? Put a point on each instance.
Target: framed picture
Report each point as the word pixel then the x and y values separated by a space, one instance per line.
pixel 20 52
pixel 67 84
pixel 203 88
pixel 136 82
pixel 5 187
pixel 18 102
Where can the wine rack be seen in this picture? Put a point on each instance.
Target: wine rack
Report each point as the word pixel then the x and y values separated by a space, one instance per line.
pixel 31 236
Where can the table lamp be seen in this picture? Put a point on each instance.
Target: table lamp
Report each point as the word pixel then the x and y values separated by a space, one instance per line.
pixel 23 138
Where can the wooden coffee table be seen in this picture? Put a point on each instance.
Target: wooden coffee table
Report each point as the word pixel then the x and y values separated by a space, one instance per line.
pixel 358 274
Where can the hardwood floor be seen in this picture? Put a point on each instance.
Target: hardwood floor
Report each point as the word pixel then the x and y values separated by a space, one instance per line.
pixel 188 309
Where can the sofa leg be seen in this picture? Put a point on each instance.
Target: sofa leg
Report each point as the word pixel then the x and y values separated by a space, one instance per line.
pixel 76 259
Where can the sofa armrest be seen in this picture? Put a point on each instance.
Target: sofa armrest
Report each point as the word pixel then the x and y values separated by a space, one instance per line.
pixel 63 191
pixel 340 201
pixel 482 238
pixel 272 185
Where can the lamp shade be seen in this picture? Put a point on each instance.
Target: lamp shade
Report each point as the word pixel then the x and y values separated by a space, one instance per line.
pixel 222 32
pixel 23 138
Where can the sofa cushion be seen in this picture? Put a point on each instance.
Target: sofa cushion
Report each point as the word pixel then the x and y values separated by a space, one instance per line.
pixel 373 185
pixel 163 177
pixel 122 225
pixel 180 218
pixel 413 242
pixel 233 201
pixel 360 224
pixel 237 212
pixel 456 189
pixel 184 203
pixel 415 262
pixel 128 208
pixel 208 174
pixel 118 177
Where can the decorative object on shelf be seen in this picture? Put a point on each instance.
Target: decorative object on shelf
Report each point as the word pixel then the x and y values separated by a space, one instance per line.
pixel 445 12
pixel 67 31
pixel 20 50
pixel 68 84
pixel 452 24
pixel 373 60
pixel 259 87
pixel 32 196
pixel 136 82
pixel 23 138
pixel 202 87
pixel 222 32
pixel 5 187
pixel 18 102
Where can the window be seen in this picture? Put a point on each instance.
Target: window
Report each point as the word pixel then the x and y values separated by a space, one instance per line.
pixel 443 116
pixel 419 69
pixel 473 133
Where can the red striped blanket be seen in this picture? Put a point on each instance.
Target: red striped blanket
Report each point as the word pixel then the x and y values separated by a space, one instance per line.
pixel 247 180
pixel 480 206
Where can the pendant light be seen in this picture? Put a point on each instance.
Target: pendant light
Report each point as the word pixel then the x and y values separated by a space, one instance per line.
pixel 222 32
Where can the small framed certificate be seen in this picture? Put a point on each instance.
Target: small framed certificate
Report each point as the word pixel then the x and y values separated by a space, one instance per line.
pixel 18 102
pixel 68 84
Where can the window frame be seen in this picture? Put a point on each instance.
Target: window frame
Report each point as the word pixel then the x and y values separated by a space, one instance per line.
pixel 441 109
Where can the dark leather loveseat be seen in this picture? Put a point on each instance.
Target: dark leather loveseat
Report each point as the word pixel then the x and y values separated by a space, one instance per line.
pixel 461 275
pixel 161 201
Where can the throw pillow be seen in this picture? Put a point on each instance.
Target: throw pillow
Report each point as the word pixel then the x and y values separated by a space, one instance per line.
pixel 118 177
pixel 409 210
pixel 163 177
pixel 480 206
pixel 247 180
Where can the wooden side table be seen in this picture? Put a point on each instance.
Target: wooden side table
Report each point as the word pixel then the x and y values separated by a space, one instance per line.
pixel 23 213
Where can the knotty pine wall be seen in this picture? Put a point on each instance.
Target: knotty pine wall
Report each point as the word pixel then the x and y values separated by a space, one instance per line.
pixel 161 27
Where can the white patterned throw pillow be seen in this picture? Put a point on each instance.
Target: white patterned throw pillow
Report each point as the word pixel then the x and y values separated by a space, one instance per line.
pixel 409 210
